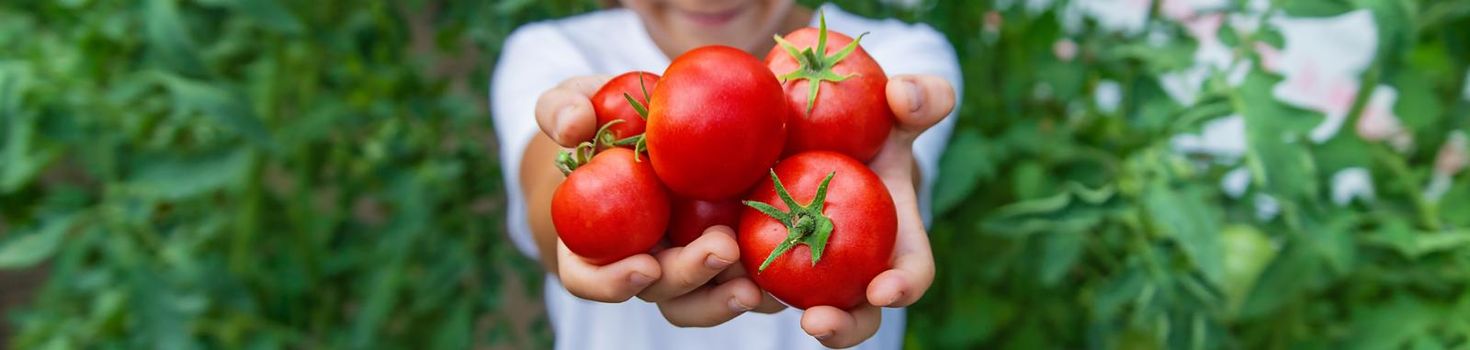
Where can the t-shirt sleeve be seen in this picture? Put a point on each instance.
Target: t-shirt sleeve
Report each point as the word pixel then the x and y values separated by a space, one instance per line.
pixel 535 58
pixel 919 49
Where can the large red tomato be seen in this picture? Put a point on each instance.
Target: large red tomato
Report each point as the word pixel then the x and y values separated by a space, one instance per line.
pixel 716 122
pixel 838 237
pixel 611 102
pixel 850 112
pixel 689 218
pixel 610 208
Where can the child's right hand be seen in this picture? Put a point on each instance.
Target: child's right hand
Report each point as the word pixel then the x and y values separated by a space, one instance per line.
pixel 678 278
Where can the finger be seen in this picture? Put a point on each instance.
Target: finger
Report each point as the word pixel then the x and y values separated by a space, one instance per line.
pixel 919 102
pixel 768 305
pixel 836 328
pixel 611 283
pixel 713 305
pixel 564 113
pixel 913 261
pixel 903 285
pixel 691 266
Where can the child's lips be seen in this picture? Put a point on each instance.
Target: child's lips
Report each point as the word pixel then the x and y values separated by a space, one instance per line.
pixel 713 19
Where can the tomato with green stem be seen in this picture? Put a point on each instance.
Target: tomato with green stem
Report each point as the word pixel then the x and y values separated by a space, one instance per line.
pixel 611 205
pixel 624 97
pixel 837 93
pixel 818 231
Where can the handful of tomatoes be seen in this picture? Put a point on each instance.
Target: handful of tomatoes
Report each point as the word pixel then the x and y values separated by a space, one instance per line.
pixel 776 149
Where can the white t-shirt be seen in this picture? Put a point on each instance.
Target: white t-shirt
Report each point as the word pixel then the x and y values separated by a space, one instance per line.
pixel 540 55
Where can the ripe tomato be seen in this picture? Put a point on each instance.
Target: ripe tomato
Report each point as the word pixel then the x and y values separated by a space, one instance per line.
pixel 827 250
pixel 610 103
pixel 716 122
pixel 610 208
pixel 849 113
pixel 688 218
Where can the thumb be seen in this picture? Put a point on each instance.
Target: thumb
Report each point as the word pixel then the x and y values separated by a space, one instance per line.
pixel 918 102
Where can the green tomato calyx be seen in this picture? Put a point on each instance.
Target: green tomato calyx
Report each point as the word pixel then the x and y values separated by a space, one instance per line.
pixel 805 224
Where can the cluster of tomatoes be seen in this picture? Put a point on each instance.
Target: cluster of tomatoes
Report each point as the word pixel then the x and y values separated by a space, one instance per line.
pixel 790 137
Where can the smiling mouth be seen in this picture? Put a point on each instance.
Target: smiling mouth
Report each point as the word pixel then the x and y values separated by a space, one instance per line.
pixel 712 19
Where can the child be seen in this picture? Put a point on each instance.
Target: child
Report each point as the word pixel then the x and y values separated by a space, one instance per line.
pixel 544 80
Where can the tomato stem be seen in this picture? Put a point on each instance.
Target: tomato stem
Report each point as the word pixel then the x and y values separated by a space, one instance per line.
pixel 805 224
pixel 569 160
pixel 815 65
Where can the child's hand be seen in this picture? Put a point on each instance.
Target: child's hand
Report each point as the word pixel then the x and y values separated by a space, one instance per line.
pixel 675 278
pixel 918 102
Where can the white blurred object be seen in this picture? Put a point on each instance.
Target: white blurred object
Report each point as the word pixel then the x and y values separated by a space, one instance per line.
pixel 1351 183
pixel 1108 95
pixel 1235 182
pixel 1127 16
pixel 1223 137
pixel 1266 207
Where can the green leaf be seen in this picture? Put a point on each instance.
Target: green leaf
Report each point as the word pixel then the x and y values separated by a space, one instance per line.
pixel 178 177
pixel 170 40
pixel 1060 252
pixel 30 249
pixel 270 14
pixel 228 110
pixel 1075 210
pixel 1391 325
pixel 23 156
pixel 964 165
pixel 1184 215
pixel 1277 159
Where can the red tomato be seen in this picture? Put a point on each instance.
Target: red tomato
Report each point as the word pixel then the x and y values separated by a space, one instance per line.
pixel 814 270
pixel 850 113
pixel 610 208
pixel 716 123
pixel 689 218
pixel 610 104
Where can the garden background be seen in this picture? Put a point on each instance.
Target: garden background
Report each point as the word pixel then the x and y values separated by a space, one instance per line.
pixel 1124 174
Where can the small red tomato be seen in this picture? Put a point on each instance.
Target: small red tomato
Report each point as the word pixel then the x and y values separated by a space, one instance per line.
pixel 836 92
pixel 825 241
pixel 610 208
pixel 611 102
pixel 690 217
pixel 716 123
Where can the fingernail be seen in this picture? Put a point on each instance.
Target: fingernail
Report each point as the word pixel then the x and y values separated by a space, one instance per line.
pixel 916 99
pixel 714 262
pixel 823 336
pixel 564 119
pixel 736 306
pixel 639 279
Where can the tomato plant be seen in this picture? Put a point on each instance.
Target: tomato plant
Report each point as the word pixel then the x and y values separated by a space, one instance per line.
pixel 836 92
pixel 716 122
pixel 690 217
pixel 624 98
pixel 826 251
pixel 611 206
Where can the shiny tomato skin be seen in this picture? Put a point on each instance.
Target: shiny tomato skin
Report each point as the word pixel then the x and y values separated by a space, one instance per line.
pixel 688 218
pixel 611 208
pixel 851 116
pixel 860 246
pixel 716 123
pixel 609 104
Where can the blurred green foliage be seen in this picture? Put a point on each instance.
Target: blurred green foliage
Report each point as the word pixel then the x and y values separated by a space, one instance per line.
pixel 263 173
